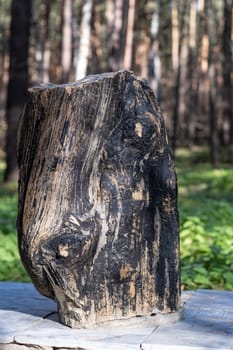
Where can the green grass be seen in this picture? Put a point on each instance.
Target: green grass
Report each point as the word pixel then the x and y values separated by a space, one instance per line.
pixel 206 224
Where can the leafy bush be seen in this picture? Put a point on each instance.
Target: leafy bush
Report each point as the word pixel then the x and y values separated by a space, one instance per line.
pixel 206 225
pixel 10 264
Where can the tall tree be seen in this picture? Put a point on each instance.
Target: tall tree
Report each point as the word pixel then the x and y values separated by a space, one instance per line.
pixel 201 71
pixel 39 59
pixel 142 37
pixel 129 35
pixel 66 40
pixel 191 76
pixel 114 16
pixel 96 63
pixel 227 65
pixel 56 30
pixel 45 39
pixel 165 53
pixel 18 78
pixel 177 69
pixel 154 64
pixel 120 24
pixel 82 61
pixel 213 117
pixel 4 25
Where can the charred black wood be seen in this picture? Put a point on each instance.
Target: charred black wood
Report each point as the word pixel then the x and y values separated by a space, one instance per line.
pixel 98 220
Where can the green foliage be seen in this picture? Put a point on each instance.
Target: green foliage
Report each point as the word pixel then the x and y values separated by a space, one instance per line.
pixel 11 267
pixel 206 225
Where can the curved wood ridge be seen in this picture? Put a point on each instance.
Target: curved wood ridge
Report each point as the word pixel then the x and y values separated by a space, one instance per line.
pixel 98 221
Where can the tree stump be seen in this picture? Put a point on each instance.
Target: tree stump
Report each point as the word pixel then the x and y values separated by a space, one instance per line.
pixel 97 220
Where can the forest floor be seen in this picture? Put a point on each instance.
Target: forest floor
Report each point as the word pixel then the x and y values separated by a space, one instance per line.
pixel 206 222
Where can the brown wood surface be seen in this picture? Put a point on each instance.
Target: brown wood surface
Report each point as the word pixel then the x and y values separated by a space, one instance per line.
pixel 98 221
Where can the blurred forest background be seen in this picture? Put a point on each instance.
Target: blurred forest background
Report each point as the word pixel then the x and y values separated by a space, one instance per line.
pixel 184 49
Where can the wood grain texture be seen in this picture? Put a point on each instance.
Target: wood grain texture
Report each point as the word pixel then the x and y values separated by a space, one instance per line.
pixel 97 220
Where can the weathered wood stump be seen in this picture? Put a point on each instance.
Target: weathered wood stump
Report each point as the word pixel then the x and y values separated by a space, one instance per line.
pixel 97 221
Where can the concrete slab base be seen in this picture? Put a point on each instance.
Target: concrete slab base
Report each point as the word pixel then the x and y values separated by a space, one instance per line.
pixel 29 321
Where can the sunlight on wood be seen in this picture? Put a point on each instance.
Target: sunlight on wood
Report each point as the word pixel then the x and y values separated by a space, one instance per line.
pixel 175 37
pixel 200 5
pixel 204 53
pixel 192 25
pixel 129 36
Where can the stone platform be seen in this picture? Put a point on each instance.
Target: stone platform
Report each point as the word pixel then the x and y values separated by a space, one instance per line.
pixel 28 321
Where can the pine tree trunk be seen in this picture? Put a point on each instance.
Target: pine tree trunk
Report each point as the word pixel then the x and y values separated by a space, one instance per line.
pixel 213 115
pixel 192 100
pixel 18 79
pixel 129 35
pixel 116 36
pixel 178 77
pixel 82 61
pixel 46 41
pixel 228 66
pixel 154 64
pixel 66 40
pixel 98 220
pixel 165 52
pixel 55 61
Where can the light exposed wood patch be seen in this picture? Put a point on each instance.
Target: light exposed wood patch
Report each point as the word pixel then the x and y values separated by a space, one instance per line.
pixel 138 129
pixel 63 250
pixel 140 193
pixel 132 290
pixel 69 89
pixel 125 271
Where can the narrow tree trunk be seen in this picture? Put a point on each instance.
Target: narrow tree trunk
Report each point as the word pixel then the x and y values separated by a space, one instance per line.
pixel 36 56
pixel 191 76
pixel 82 62
pixel 98 62
pixel 175 36
pixel 18 79
pixel 98 221
pixel 40 42
pixel 2 54
pixel 228 66
pixel 214 144
pixel 154 64
pixel 177 87
pixel 75 33
pixel 55 64
pixel 165 45
pixel 46 42
pixel 114 14
pixel 141 44
pixel 129 36
pixel 66 40
pixel 213 117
